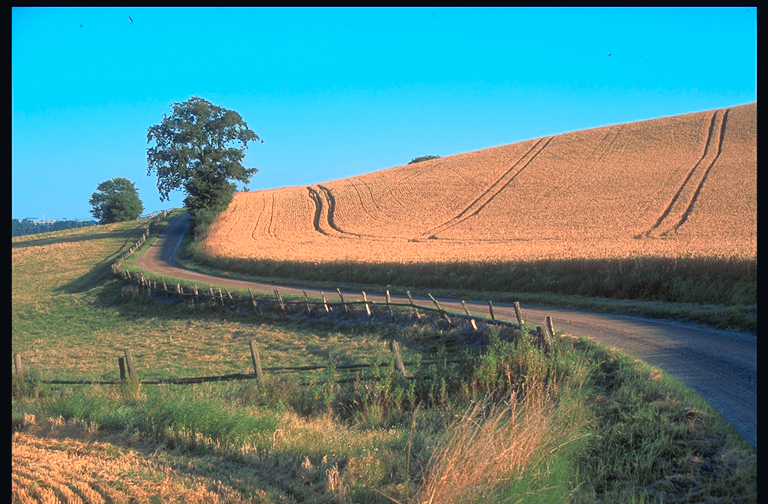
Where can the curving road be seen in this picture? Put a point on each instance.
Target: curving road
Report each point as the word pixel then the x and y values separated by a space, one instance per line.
pixel 721 366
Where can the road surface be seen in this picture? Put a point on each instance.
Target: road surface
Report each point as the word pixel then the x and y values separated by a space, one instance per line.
pixel 721 366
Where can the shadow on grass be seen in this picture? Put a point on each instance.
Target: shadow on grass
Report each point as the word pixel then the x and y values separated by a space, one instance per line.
pixel 100 273
pixel 128 235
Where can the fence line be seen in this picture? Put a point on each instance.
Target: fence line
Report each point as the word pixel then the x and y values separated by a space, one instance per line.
pixel 260 303
pixel 141 241
pixel 544 336
pixel 127 361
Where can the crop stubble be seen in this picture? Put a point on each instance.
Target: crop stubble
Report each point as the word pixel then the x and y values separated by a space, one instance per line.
pixel 682 186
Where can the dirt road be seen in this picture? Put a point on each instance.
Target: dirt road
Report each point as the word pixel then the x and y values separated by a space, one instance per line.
pixel 721 366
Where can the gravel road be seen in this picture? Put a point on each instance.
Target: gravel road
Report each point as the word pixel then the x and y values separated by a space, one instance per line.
pixel 719 365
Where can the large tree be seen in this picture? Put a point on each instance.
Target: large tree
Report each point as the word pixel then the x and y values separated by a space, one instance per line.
pixel 116 200
pixel 200 148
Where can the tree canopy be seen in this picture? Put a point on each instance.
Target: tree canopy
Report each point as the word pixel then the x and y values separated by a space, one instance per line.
pixel 116 200
pixel 423 158
pixel 200 148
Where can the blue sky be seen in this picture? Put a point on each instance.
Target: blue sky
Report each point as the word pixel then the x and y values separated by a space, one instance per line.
pixel 336 92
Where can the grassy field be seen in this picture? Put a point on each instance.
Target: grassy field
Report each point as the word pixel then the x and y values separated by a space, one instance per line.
pixel 510 423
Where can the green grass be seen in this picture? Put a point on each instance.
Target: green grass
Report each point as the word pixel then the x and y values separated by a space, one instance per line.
pixel 612 429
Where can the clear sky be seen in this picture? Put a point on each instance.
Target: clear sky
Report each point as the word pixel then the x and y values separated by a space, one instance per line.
pixel 336 92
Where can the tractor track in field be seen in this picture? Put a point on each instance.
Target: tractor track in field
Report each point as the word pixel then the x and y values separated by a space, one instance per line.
pixel 719 365
pixel 681 205
pixel 493 190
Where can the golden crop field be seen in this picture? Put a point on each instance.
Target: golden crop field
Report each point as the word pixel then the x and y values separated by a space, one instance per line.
pixel 682 186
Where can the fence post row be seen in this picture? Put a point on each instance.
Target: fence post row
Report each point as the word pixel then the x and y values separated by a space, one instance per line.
pixel 545 340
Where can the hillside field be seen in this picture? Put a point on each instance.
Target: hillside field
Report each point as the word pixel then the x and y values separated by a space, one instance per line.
pixel 675 187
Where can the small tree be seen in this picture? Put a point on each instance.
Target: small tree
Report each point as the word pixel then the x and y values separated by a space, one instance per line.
pixel 423 158
pixel 200 147
pixel 116 200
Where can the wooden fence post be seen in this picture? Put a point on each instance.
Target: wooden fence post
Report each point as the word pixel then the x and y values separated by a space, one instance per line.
pixel 306 300
pixel 395 348
pixel 346 308
pixel 129 363
pixel 121 365
pixel 551 333
pixel 389 307
pixel 17 364
pixel 518 314
pixel 410 299
pixel 221 297
pixel 550 328
pixel 197 295
pixel 280 300
pixel 472 321
pixel 367 308
pixel 325 302
pixel 490 308
pixel 442 312
pixel 255 304
pixel 179 291
pixel 165 288
pixel 256 360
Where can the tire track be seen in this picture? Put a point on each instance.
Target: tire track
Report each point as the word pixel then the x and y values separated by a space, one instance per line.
pixel 677 210
pixel 493 190
pixel 695 197
pixel 271 225
pixel 362 203
pixel 315 197
pixel 373 198
pixel 325 208
pixel 255 233
pixel 602 148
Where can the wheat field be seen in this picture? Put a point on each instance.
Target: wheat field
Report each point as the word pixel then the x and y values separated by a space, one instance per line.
pixel 681 186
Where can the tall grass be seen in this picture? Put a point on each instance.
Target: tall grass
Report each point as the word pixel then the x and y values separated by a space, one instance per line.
pixel 727 281
pixel 488 445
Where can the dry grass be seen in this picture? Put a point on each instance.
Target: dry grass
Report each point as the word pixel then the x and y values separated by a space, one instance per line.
pixel 486 447
pixel 686 184
pixel 60 462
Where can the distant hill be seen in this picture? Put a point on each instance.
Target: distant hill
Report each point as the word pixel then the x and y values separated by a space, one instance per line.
pixel 681 186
